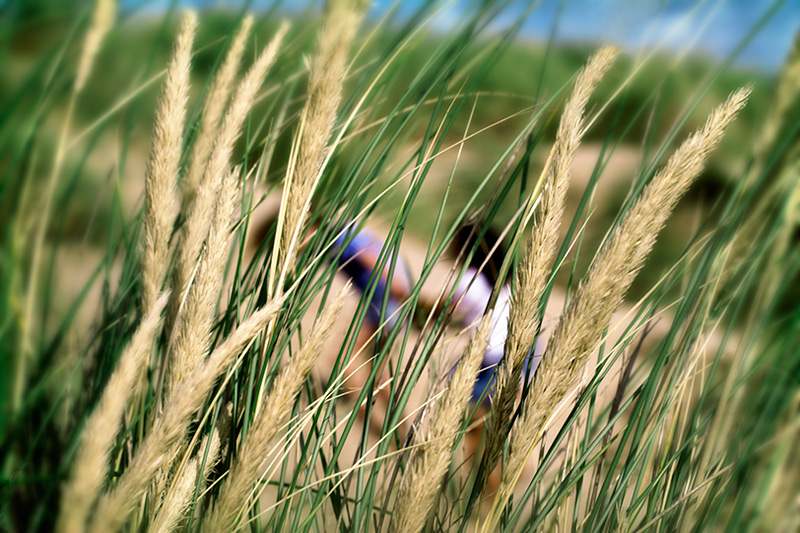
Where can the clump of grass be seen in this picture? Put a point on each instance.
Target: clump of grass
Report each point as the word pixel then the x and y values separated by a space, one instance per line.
pixel 202 208
pixel 535 264
pixel 191 375
pixel 422 481
pixel 237 490
pixel 183 408
pixel 90 466
pixel 598 297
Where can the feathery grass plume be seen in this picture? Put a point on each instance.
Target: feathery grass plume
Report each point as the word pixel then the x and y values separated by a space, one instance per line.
pixel 213 108
pixel 326 76
pixel 422 480
pixel 164 163
pixel 90 466
pixel 325 80
pixel 193 328
pixel 601 293
pixel 169 428
pixel 250 463
pixel 192 334
pixel 197 222
pixel 102 20
pixel 534 268
pixel 212 456
pixel 178 499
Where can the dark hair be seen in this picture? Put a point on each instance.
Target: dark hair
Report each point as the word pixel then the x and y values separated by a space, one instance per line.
pixel 468 239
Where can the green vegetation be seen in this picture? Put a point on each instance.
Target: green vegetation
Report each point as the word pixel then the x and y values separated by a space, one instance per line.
pixel 686 412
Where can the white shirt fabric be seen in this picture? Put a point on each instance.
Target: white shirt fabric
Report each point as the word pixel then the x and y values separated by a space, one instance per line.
pixel 474 292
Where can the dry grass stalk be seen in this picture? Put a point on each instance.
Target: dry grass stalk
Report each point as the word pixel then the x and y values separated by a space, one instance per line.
pixel 102 21
pixel 535 263
pixel 178 499
pixel 325 80
pixel 90 467
pixel 422 481
pixel 193 329
pixel 212 456
pixel 780 191
pixel 169 428
pixel 249 467
pixel 202 210
pixel 781 181
pixel 588 314
pixel 213 108
pixel 326 77
pixel 164 162
pixel 192 333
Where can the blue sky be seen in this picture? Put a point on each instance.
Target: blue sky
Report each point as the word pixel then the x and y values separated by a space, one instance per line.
pixel 714 27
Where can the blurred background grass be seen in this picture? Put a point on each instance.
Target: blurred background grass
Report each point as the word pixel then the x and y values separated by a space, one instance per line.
pixel 527 72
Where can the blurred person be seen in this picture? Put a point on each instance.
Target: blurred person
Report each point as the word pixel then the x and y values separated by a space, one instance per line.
pixel 473 293
pixel 471 298
pixel 357 253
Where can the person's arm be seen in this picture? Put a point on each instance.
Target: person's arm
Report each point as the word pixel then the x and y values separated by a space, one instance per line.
pixel 428 306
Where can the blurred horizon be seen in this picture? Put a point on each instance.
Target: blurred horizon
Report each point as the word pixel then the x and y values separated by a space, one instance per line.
pixel 714 28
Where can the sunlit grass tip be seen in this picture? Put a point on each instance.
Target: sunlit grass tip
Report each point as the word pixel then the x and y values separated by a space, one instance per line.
pixel 213 108
pixel 102 21
pixel 163 165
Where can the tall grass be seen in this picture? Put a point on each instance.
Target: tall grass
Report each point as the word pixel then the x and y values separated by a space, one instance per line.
pixel 212 373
